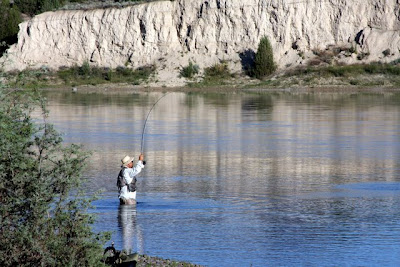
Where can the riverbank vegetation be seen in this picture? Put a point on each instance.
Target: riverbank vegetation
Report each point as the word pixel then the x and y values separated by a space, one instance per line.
pixel 340 76
pixel 44 213
pixel 383 75
pixel 75 76
pixel 44 210
pixel 359 75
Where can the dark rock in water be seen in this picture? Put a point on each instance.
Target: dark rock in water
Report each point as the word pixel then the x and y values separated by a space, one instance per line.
pixel 118 258
pixel 145 261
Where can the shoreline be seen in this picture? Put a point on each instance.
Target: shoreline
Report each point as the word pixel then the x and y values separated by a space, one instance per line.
pixel 279 82
pixel 373 78
pixel 127 88
pixel 146 260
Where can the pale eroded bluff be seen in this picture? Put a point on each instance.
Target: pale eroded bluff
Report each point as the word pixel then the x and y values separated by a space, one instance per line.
pixel 170 33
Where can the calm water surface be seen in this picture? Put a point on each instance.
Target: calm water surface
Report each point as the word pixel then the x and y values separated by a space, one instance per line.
pixel 246 179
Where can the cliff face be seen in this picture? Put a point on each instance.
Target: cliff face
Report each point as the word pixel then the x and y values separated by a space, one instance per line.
pixel 170 33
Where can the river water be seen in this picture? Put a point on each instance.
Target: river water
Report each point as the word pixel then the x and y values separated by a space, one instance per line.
pixel 246 179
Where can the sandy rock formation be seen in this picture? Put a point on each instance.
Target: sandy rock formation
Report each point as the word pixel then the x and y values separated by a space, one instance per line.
pixel 170 33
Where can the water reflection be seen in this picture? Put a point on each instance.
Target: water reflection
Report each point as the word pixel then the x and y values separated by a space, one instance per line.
pixel 248 177
pixel 132 238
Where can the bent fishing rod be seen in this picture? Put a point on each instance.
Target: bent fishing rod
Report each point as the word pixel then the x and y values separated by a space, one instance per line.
pixel 145 122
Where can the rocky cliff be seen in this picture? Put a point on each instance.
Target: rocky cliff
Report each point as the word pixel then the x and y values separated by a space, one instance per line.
pixel 170 33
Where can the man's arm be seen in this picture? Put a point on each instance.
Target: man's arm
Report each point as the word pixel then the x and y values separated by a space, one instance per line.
pixel 138 167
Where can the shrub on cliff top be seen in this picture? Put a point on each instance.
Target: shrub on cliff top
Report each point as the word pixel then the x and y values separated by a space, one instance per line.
pixel 264 59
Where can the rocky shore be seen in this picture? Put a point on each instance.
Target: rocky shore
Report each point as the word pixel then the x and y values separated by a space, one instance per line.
pixel 145 261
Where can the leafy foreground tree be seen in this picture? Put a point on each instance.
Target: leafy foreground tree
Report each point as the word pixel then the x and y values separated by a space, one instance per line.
pixel 43 210
pixel 264 60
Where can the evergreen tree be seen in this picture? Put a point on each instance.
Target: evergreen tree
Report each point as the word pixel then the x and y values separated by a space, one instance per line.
pixel 43 211
pixel 264 60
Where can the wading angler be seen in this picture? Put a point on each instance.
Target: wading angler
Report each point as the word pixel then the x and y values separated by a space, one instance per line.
pixel 126 180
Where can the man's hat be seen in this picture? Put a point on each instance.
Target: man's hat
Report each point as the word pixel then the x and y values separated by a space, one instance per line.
pixel 126 160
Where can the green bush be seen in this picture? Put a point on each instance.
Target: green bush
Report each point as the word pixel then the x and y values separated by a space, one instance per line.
pixel 264 59
pixel 108 75
pixel 217 70
pixel 372 68
pixel 44 219
pixel 86 74
pixel 144 72
pixel 123 71
pixel 395 70
pixel 337 71
pixel 84 70
pixel 190 70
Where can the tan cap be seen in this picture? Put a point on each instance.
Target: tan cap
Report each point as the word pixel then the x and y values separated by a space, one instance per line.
pixel 126 160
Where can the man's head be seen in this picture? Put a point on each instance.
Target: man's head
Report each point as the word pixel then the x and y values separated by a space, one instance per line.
pixel 127 162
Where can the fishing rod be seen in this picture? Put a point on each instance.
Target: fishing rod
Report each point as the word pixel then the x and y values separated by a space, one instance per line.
pixel 145 122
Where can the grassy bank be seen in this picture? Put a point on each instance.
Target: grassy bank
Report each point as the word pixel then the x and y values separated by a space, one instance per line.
pixel 341 76
pixel 374 75
pixel 361 75
pixel 75 76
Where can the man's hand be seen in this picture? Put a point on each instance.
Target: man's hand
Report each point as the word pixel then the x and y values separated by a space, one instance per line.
pixel 141 157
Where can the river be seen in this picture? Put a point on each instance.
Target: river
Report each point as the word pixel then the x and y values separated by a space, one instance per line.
pixel 245 179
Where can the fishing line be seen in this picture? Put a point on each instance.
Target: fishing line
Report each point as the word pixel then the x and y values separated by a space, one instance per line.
pixel 145 122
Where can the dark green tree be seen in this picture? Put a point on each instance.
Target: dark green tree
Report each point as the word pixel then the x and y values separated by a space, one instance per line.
pixel 34 7
pixel 29 7
pixel 264 60
pixel 10 18
pixel 43 210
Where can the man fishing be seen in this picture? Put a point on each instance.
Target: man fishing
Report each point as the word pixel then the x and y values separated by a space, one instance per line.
pixel 127 179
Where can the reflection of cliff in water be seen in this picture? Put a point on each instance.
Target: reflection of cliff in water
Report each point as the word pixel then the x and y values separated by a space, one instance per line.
pixel 274 159
pixel 132 238
pixel 263 136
